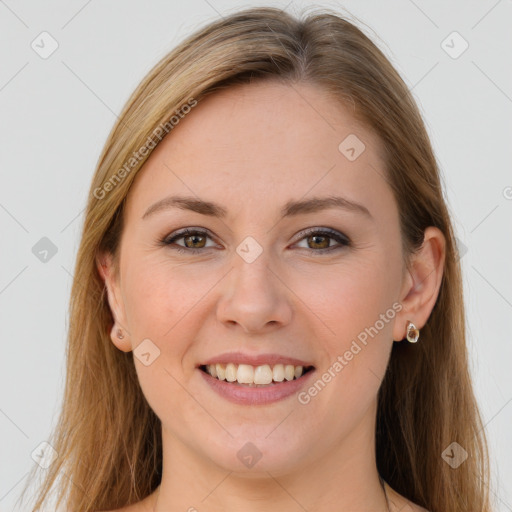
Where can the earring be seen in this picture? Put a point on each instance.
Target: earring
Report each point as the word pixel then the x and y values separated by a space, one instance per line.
pixel 120 334
pixel 412 333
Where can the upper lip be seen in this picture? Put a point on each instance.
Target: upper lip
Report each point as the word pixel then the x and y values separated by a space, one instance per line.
pixel 255 360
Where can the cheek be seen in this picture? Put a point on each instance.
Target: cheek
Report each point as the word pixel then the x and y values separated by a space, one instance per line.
pixel 150 300
pixel 349 298
pixel 162 306
pixel 356 304
pixel 166 304
pixel 158 295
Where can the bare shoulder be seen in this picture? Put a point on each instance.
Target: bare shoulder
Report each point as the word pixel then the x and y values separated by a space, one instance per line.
pixel 144 505
pixel 401 503
pixel 129 508
pixel 136 507
pixel 407 506
pixel 416 508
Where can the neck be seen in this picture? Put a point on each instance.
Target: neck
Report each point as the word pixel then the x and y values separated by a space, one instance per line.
pixel 343 478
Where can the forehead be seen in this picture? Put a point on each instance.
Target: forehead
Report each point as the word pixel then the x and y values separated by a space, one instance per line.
pixel 264 143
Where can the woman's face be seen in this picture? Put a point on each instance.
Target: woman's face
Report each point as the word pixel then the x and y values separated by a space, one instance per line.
pixel 256 282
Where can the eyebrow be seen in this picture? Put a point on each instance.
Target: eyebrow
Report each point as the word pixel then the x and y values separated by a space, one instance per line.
pixel 290 209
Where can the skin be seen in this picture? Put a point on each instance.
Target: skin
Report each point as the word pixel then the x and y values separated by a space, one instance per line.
pixel 252 148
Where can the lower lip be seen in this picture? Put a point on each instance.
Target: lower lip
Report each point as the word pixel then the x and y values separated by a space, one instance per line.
pixel 244 395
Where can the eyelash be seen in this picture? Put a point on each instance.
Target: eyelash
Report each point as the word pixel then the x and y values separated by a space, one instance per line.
pixel 343 240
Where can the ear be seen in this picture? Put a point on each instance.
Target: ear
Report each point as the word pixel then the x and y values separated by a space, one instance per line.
pixel 421 285
pixel 110 275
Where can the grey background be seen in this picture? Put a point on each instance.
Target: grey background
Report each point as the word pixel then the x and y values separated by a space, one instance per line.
pixel 56 113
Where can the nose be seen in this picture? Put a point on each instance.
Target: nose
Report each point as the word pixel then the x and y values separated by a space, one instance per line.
pixel 255 297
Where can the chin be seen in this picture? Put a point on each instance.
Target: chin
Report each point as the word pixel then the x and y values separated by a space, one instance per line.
pixel 256 454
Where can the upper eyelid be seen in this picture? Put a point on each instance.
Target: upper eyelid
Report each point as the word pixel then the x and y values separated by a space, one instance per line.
pixel 331 232
pixel 187 232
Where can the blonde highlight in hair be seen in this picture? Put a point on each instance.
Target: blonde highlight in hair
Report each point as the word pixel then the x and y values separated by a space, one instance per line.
pixel 107 438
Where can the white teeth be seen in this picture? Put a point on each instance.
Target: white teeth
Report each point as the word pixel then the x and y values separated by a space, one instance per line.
pixel 230 372
pixel 254 375
pixel 263 374
pixel 220 370
pixel 245 374
pixel 289 372
pixel 278 373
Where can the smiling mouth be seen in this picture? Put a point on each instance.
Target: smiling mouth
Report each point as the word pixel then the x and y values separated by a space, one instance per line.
pixel 255 376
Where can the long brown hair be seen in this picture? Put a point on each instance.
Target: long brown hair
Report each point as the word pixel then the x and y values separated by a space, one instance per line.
pixel 108 439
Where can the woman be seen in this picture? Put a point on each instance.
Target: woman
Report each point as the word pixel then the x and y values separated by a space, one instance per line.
pixel 267 308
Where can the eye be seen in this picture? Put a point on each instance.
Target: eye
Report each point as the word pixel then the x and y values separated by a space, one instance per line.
pixel 195 240
pixel 320 240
